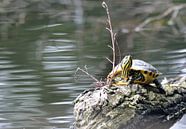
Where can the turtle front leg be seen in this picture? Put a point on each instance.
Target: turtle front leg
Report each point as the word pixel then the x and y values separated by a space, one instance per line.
pixel 134 76
pixel 159 86
pixel 132 79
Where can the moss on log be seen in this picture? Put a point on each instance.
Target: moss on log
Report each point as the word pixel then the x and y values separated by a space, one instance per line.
pixel 132 106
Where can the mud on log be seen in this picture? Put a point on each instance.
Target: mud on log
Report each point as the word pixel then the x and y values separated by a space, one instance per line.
pixel 132 106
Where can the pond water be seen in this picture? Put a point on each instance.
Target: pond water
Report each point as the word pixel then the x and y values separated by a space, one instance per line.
pixel 43 42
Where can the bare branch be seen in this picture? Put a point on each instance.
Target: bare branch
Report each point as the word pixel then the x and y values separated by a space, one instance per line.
pixel 86 68
pixel 174 9
pixel 111 33
pixel 115 36
pixel 104 5
pixel 110 47
pixel 86 72
pixel 108 29
pixel 109 60
pixel 119 52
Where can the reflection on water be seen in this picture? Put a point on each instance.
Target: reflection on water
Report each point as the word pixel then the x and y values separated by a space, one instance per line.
pixel 42 44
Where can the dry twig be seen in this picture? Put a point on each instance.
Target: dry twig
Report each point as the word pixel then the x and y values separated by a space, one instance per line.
pixel 86 72
pixel 112 34
pixel 174 10
pixel 113 38
pixel 97 82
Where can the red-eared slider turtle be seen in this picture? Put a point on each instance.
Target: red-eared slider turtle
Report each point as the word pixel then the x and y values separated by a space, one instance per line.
pixel 122 69
pixel 136 71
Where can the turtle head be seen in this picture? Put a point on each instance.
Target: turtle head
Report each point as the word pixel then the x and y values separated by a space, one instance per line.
pixel 126 64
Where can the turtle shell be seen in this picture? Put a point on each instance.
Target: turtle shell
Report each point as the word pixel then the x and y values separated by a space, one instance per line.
pixel 142 65
pixel 149 72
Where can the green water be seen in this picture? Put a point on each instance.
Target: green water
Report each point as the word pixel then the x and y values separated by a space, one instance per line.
pixel 43 42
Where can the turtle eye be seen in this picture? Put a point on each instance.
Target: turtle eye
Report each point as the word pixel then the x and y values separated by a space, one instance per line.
pixel 145 72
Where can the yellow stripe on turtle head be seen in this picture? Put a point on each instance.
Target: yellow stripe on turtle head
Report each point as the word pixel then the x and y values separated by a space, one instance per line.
pixel 126 64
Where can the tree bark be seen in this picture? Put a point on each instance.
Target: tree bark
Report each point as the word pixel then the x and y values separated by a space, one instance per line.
pixel 130 107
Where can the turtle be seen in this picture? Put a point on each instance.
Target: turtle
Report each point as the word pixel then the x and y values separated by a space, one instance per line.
pixel 135 71
pixel 122 69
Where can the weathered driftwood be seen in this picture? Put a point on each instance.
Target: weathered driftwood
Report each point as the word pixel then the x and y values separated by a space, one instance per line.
pixel 129 107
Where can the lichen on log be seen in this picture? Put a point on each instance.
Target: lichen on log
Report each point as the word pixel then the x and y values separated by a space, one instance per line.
pixel 118 107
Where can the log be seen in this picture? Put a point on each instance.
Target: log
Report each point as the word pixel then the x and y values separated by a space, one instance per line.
pixel 130 107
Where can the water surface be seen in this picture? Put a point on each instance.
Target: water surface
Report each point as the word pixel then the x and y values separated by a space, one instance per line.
pixel 43 42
